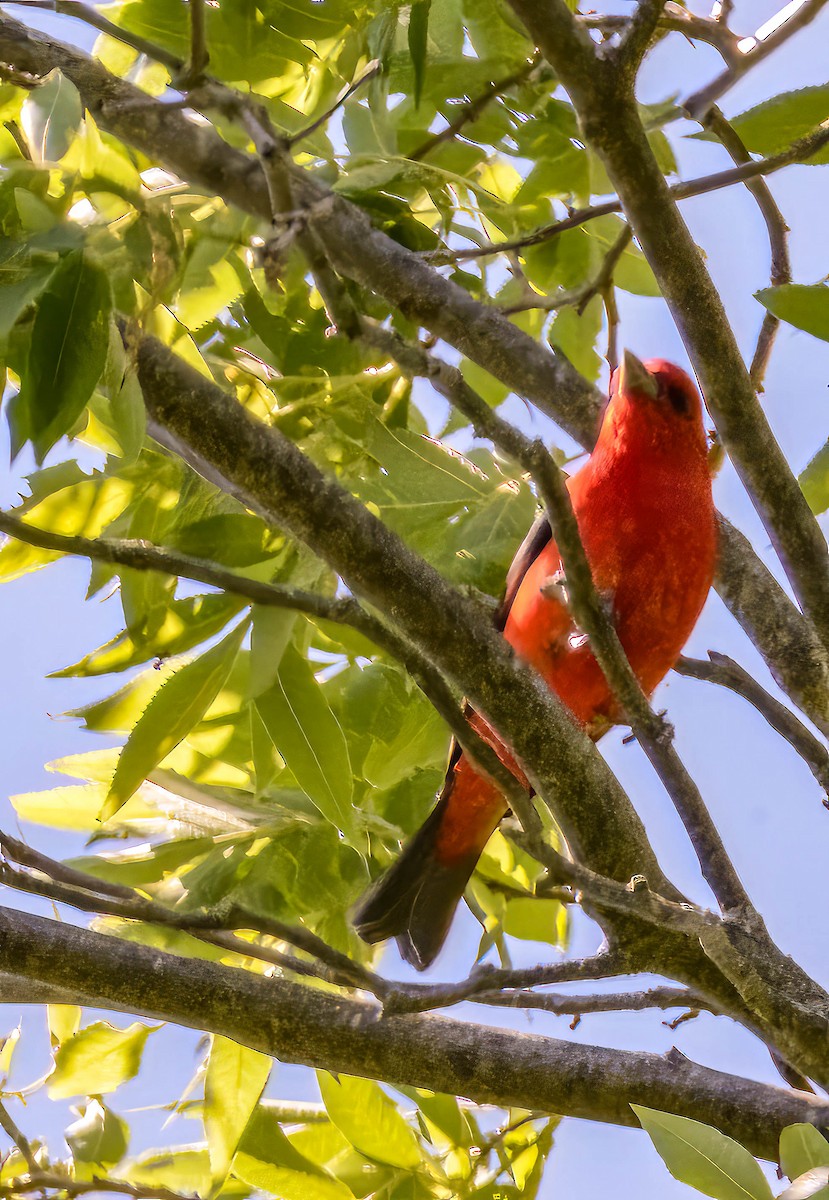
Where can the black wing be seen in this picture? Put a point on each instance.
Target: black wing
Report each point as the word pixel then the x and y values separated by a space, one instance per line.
pixel 539 535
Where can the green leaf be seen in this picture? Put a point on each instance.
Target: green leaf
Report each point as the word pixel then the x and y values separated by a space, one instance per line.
pixel 68 349
pixel 575 334
pixel 306 733
pixel 178 705
pixel 802 1147
pixel 803 305
pixel 536 920
pixel 235 1079
pixel 418 43
pixel 64 1022
pixel 776 123
pixel 97 1059
pixel 187 623
pixel 98 1135
pixel 704 1158
pixel 287 1183
pixel 814 481
pixel 50 116
pixel 21 282
pixel 363 1112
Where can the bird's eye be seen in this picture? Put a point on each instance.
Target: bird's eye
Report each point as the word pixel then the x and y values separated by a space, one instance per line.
pixel 676 397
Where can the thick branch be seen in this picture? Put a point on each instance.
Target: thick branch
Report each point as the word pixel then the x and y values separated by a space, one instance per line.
pixel 298 1024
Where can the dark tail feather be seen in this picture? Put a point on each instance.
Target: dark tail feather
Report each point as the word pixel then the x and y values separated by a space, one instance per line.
pixel 415 900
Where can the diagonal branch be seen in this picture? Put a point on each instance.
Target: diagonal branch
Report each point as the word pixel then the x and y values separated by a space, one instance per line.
pixel 598 1002
pixel 799 151
pixel 771 35
pixel 729 674
pixel 470 111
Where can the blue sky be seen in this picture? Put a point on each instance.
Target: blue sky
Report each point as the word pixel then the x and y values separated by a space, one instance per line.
pixel 765 801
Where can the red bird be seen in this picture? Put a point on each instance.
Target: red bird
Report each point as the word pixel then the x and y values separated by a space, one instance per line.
pixel 646 517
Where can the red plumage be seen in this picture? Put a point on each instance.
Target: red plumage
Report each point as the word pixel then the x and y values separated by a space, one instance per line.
pixel 646 518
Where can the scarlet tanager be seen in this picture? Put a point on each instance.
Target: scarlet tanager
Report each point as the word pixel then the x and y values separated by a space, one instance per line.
pixel 646 518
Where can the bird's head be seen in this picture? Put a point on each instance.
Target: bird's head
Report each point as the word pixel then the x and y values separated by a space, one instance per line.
pixel 657 396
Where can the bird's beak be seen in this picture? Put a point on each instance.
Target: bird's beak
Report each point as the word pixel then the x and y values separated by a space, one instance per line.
pixel 634 378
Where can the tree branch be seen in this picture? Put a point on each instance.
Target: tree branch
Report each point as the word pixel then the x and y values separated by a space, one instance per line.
pixel 727 673
pixel 299 1024
pixel 778 239
pixel 579 297
pixel 788 21
pixel 674 19
pixel 599 1002
pixel 799 151
pixel 469 112
pixel 19 1139
pixel 789 646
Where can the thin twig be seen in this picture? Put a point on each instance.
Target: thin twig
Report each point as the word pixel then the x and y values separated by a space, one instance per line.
pixel 19 1138
pixel 798 152
pixel 727 673
pixel 778 238
pixel 372 70
pixel 472 109
pixel 674 19
pixel 207 926
pixel 50 1181
pixel 599 1002
pixel 579 297
pixel 422 997
pixel 637 37
pixel 768 38
pixel 193 72
pixel 612 316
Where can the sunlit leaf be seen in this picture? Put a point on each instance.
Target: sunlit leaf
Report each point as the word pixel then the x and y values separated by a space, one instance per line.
pixel 704 1158
pixel 176 707
pixel 50 116
pixel 97 1136
pixel 98 1059
pixel 235 1079
pixel 363 1112
pixel 309 738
